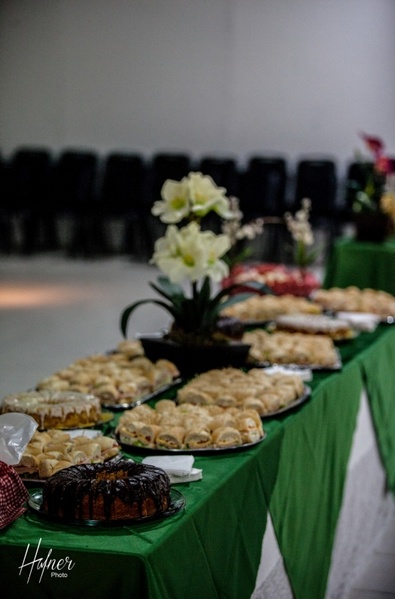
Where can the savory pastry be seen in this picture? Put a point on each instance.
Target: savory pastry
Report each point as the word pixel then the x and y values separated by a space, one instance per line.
pixel 197 439
pixel 353 299
pixel 248 389
pixel 147 433
pixel 260 308
pixel 188 426
pixel 227 436
pixel 171 438
pixel 47 453
pixel 291 348
pixel 124 376
pixel 335 328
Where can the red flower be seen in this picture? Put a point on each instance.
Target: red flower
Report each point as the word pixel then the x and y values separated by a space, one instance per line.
pixel 383 165
pixel 375 144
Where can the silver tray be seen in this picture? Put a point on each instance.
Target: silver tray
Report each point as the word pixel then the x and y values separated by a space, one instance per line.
pixel 132 404
pixel 33 480
pixel 177 503
pixel 186 451
pixel 297 402
pixel 338 365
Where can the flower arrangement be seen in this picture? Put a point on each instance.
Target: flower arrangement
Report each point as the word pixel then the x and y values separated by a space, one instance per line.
pixel 302 235
pixel 238 233
pixel 188 253
pixel 376 193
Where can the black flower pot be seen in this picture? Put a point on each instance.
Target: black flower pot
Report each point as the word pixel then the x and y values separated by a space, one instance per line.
pixel 374 227
pixel 194 359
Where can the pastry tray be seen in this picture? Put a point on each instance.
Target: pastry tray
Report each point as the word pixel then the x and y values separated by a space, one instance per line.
pixel 34 479
pixel 104 419
pixel 177 503
pixel 125 405
pixel 294 404
pixel 338 365
pixel 130 448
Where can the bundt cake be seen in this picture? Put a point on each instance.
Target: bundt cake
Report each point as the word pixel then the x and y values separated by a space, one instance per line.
pixel 121 490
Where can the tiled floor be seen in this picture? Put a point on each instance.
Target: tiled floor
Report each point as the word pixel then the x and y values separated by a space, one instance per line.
pixel 53 310
pixel 377 579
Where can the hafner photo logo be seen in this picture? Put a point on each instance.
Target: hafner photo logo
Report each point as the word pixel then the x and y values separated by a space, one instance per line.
pixel 44 563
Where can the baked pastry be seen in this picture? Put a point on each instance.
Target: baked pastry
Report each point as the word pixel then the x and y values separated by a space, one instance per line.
pixel 254 392
pixel 353 299
pixel 55 409
pixel 123 376
pixel 107 492
pixel 315 324
pixel 52 450
pixel 173 426
pixel 260 308
pixel 291 348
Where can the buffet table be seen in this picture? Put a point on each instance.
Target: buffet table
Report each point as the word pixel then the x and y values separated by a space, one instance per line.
pixel 213 548
pixel 362 264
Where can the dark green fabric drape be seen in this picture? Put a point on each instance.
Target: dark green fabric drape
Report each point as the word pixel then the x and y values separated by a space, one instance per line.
pixel 213 548
pixel 362 264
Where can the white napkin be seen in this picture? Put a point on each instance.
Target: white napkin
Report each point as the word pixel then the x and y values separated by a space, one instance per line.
pixel 178 467
pixel 362 321
pixel 304 373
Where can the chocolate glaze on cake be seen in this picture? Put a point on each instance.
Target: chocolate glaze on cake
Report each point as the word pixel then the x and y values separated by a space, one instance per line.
pixel 123 490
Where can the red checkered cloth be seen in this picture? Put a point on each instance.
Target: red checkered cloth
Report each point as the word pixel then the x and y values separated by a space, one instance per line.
pixel 13 495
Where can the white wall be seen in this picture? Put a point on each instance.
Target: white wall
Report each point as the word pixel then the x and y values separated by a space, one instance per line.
pixel 204 76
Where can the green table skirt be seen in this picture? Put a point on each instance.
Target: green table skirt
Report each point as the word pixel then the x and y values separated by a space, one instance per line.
pixel 362 264
pixel 213 548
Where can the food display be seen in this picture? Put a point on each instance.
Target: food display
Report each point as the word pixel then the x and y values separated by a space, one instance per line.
pixel 315 324
pixel 55 409
pixel 280 278
pixel 123 490
pixel 353 299
pixel 123 376
pixel 261 308
pixel 50 451
pixel 314 351
pixel 169 426
pixel 255 389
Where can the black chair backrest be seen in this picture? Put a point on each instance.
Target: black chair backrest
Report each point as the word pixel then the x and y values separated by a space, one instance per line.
pixel 123 183
pixel 29 178
pixel 316 179
pixel 168 166
pixel 75 177
pixel 223 171
pixel 263 187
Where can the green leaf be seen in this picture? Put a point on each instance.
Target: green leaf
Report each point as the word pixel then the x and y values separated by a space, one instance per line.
pixel 168 287
pixel 128 311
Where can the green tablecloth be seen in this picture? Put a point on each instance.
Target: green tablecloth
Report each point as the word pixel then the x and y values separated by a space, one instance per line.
pixel 362 264
pixel 213 548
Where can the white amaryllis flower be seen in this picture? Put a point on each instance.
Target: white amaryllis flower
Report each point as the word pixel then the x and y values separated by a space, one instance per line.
pixel 206 196
pixel 216 247
pixel 190 253
pixel 175 205
pixel 195 195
